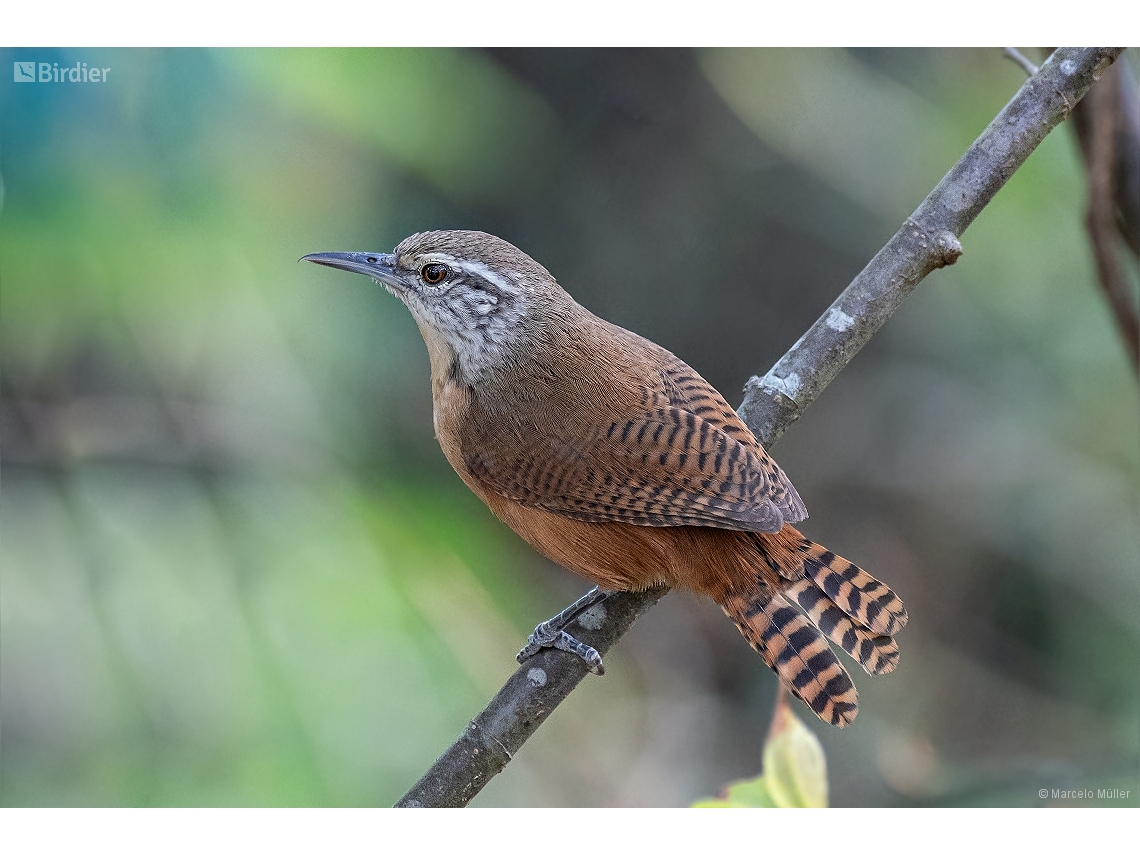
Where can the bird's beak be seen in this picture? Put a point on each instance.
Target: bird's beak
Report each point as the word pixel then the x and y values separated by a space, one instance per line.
pixel 379 265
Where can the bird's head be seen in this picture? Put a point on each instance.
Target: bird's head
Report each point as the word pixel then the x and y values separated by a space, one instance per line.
pixel 476 298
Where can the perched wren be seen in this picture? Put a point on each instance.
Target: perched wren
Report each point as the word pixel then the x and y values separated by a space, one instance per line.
pixel 615 459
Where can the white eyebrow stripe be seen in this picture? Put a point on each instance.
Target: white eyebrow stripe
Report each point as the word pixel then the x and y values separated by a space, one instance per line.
pixel 481 270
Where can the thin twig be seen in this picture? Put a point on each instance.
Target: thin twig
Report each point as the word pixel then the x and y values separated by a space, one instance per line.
pixel 1017 56
pixel 779 711
pixel 1126 130
pixel 927 240
pixel 1105 109
pixel 1107 125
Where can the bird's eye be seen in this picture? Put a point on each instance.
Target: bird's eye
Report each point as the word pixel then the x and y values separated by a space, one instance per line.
pixel 433 274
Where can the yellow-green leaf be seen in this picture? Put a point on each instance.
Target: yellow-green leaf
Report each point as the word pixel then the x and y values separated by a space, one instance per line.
pixel 750 793
pixel 795 769
pixel 719 803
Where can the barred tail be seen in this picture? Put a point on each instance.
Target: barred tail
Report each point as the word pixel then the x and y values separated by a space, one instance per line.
pixel 878 654
pixel 796 651
pixel 858 594
pixel 861 596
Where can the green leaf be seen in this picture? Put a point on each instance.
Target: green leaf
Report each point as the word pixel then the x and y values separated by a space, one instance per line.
pixel 753 792
pixel 794 766
pixel 795 770
pixel 718 803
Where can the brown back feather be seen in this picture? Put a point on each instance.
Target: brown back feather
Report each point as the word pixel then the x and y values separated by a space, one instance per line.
pixel 660 446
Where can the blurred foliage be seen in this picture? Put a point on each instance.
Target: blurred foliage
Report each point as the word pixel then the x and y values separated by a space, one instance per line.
pixel 235 568
pixel 436 113
pixel 795 769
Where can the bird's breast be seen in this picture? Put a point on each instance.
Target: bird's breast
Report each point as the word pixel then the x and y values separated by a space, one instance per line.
pixel 451 404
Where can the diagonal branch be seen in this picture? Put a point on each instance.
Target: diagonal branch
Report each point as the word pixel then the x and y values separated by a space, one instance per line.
pixel 927 240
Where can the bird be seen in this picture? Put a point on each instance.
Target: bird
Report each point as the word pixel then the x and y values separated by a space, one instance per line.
pixel 616 460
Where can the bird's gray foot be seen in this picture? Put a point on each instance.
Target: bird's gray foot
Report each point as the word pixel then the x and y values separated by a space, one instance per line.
pixel 551 633
pixel 562 640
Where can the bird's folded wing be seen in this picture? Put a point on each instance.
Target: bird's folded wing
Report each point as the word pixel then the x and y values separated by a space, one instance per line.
pixel 665 467
pixel 685 389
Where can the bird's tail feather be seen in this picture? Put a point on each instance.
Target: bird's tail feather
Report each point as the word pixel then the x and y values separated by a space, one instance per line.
pixel 840 601
pixel 878 654
pixel 861 596
pixel 858 594
pixel 796 651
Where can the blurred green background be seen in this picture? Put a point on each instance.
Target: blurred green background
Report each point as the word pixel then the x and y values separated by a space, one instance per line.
pixel 235 568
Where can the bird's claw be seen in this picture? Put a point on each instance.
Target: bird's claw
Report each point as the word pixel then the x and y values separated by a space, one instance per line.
pixel 550 633
pixel 546 636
